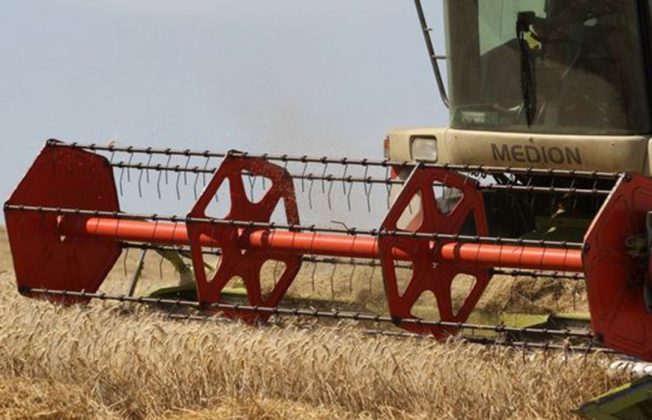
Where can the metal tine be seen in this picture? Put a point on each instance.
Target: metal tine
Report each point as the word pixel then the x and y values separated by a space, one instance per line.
pixel 574 199
pixel 131 157
pixel 371 276
pixel 177 186
pixel 312 182
pixel 174 231
pixel 140 187
pixel 330 189
pixel 344 173
pixel 251 180
pixel 149 162
pixel 312 276
pixel 122 172
pixel 595 188
pixel 158 184
pixel 530 198
pixel 576 287
pixel 314 263
pixel 366 173
pixel 137 272
pixel 194 186
pixel 303 175
pixel 124 262
pixel 368 186
pixel 166 172
pixel 354 265
pixel 529 181
pixel 161 255
pixel 323 175
pixel 512 286
pixel 368 194
pixel 348 195
pixel 203 174
pixel 185 172
pixel 332 280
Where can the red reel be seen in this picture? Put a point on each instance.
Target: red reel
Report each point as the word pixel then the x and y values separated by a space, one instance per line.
pixel 428 274
pixel 615 278
pixel 236 262
pixel 61 177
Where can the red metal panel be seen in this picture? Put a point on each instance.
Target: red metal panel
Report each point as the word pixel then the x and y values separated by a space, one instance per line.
pixel 61 177
pixel 615 278
pixel 428 273
pixel 236 262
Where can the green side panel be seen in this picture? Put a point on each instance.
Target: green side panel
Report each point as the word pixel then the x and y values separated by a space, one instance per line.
pixel 239 295
pixel 185 292
pixel 630 401
pixel 573 316
pixel 189 292
pixel 524 320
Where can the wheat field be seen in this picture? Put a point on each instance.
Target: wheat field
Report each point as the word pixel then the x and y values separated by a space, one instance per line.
pixel 113 361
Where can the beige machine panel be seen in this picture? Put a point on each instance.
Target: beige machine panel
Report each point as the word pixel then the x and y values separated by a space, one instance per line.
pixel 400 142
pixel 599 153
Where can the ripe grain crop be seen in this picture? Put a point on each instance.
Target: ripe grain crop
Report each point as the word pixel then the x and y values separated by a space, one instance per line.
pixel 123 362
pixel 112 361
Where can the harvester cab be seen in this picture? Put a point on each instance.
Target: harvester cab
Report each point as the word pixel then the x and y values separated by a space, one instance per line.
pixel 542 174
pixel 546 84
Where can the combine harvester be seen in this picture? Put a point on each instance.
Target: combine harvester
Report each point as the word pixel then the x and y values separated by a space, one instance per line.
pixel 543 173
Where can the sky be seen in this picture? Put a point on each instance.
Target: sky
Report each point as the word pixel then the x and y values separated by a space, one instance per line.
pixel 324 77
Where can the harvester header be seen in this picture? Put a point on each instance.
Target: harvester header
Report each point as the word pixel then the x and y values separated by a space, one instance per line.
pixel 67 230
